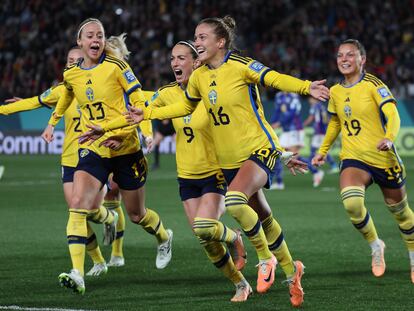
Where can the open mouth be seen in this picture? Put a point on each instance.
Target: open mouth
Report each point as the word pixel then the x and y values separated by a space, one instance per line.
pixel 95 48
pixel 178 72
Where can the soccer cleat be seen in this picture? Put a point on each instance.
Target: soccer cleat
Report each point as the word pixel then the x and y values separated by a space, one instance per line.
pixel 116 261
pixel 277 186
pixel 317 178
pixel 237 251
pixel 164 252
pixel 98 269
pixel 1 171
pixel 295 287
pixel 72 280
pixel 109 234
pixel 266 274
pixel 243 292
pixel 378 262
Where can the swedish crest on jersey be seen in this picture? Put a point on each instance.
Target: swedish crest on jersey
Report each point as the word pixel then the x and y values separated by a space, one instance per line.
pixel 89 94
pixel 212 97
pixel 187 119
pixel 347 111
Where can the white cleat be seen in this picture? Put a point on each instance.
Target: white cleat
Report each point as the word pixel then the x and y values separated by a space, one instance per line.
pixel 1 171
pixel 98 269
pixel 317 178
pixel 116 261
pixel 164 252
pixel 109 234
pixel 243 292
pixel 72 280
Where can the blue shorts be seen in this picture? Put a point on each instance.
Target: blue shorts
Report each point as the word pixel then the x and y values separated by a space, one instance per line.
pixel 393 177
pixel 265 158
pixel 130 170
pixel 67 173
pixel 195 188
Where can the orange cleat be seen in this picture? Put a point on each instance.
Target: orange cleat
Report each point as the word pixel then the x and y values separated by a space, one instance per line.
pixel 243 292
pixel 295 287
pixel 378 262
pixel 412 273
pixel 237 251
pixel 266 274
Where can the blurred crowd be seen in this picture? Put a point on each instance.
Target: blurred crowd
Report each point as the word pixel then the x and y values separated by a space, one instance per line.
pixel 291 36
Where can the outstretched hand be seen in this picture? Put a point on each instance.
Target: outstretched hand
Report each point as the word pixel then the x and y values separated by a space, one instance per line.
pixel 292 163
pixel 47 134
pixel 114 142
pixel 13 100
pixel 384 145
pixel 318 160
pixel 319 91
pixel 95 132
pixel 134 115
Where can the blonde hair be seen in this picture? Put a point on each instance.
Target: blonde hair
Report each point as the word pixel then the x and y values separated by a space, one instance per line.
pixel 116 46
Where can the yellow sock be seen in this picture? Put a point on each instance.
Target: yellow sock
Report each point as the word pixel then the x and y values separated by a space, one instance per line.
pixel 213 230
pixel 218 255
pixel 117 245
pixel 277 245
pixel 92 246
pixel 405 219
pixel 236 204
pixel 77 231
pixel 152 223
pixel 353 200
pixel 101 215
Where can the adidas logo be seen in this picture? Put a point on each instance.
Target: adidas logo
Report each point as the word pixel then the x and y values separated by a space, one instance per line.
pixel 213 83
pixel 347 100
pixel 89 82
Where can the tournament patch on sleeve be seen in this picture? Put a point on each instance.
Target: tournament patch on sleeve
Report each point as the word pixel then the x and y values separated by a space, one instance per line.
pixel 256 66
pixel 383 92
pixel 129 76
pixel 154 97
pixel 45 94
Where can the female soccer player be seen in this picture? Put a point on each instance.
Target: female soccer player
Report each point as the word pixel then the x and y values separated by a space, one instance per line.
pixel 245 144
pixel 201 182
pixel 69 160
pixel 101 84
pixel 364 111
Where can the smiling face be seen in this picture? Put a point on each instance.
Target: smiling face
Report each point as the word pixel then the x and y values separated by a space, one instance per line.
pixel 92 41
pixel 208 46
pixel 182 63
pixel 349 60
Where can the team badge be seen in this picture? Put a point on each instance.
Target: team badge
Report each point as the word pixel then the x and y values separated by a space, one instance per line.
pixel 187 119
pixel 256 66
pixel 84 153
pixel 348 111
pixel 383 92
pixel 212 97
pixel 45 94
pixel 129 76
pixel 89 94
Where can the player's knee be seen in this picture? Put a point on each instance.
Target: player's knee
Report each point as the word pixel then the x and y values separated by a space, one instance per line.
pixel 401 210
pixel 235 202
pixel 204 228
pixel 353 201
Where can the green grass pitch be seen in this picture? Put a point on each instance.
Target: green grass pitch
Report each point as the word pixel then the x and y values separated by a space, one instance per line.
pixel 33 250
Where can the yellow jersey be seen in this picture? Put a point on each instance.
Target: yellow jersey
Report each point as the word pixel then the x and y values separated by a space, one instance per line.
pixel 363 124
pixel 195 153
pixel 103 93
pixel 231 97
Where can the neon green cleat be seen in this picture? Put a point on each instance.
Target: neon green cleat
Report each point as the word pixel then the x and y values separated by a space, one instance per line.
pixel 72 280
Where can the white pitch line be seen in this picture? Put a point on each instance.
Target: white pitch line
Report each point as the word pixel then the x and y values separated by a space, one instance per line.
pixel 38 309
